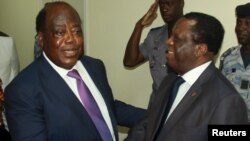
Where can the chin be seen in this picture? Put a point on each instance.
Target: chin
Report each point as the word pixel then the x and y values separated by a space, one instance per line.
pixel 68 64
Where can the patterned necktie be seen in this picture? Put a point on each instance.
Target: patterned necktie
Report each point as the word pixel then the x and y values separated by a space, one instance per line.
pixel 179 80
pixel 1 104
pixel 91 106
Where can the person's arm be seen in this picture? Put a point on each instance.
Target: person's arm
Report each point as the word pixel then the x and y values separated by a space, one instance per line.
pixel 128 115
pixel 24 114
pixel 133 56
pixel 138 132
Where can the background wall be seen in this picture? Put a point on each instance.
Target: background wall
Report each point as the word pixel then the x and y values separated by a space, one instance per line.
pixel 17 18
pixel 108 25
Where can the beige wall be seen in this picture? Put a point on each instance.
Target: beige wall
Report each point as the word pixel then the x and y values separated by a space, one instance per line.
pixel 17 18
pixel 108 25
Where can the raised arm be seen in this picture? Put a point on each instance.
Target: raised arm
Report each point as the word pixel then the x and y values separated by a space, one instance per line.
pixel 133 56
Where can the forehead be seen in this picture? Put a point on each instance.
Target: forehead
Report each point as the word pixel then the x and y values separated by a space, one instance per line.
pixel 61 13
pixel 184 25
pixel 172 1
pixel 243 18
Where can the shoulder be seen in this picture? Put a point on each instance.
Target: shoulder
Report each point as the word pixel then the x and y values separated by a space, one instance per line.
pixel 93 64
pixel 6 42
pixel 158 29
pixel 27 74
pixel 167 81
pixel 229 51
pixel 25 83
pixel 228 55
pixel 39 68
pixel 90 60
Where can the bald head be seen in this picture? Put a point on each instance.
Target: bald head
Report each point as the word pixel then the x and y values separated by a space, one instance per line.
pixel 59 34
pixel 49 8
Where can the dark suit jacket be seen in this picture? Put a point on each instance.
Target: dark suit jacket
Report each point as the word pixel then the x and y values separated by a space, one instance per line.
pixel 41 107
pixel 4 134
pixel 211 100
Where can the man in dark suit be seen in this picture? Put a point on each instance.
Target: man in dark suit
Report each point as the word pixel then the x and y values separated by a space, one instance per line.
pixel 205 97
pixel 44 102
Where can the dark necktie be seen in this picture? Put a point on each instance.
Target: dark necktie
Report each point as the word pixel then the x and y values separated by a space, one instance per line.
pixel 91 106
pixel 179 80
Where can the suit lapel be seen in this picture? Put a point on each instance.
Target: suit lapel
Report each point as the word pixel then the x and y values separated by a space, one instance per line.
pixel 190 97
pixel 94 72
pixel 159 105
pixel 57 88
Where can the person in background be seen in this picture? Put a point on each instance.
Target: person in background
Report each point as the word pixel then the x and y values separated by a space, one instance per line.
pixel 153 48
pixel 37 49
pixel 9 68
pixel 64 95
pixel 9 62
pixel 235 61
pixel 4 134
pixel 204 96
pixel 1 104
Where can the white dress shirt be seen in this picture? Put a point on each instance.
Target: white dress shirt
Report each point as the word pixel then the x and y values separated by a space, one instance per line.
pixel 9 63
pixel 71 82
pixel 190 77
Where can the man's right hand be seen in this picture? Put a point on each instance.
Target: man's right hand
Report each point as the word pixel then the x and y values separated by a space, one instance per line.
pixel 150 16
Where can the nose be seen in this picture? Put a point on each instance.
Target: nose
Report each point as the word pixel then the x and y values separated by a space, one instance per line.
pixel 243 28
pixel 170 41
pixel 69 37
pixel 164 7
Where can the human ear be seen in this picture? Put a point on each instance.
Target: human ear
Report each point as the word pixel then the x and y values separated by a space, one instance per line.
pixel 200 49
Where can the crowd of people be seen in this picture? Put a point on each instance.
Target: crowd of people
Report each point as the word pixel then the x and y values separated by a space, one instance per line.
pixel 65 95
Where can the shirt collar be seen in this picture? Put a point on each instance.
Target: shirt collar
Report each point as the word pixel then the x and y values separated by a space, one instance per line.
pixel 191 76
pixel 61 71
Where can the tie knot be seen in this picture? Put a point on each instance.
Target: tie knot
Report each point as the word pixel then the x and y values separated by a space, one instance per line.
pixel 179 80
pixel 74 73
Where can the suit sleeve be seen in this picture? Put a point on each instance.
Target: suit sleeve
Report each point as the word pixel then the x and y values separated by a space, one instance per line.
pixel 128 115
pixel 231 110
pixel 138 132
pixel 24 114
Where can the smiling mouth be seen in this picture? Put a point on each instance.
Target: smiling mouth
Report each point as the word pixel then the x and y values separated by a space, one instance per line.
pixel 170 52
pixel 166 16
pixel 71 52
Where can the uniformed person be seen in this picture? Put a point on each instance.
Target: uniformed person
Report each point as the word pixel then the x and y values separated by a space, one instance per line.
pixel 235 61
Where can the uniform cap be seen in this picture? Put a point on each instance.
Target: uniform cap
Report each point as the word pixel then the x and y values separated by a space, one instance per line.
pixel 243 11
